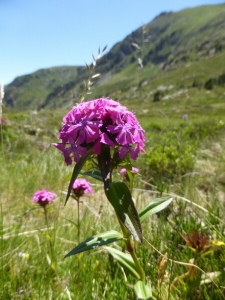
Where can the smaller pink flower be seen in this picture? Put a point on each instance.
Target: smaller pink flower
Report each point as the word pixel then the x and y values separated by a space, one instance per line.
pixel 43 197
pixel 3 120
pixel 185 116
pixel 123 171
pixel 81 186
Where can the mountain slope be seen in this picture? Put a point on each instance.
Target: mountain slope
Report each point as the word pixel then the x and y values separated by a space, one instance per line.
pixel 30 91
pixel 169 42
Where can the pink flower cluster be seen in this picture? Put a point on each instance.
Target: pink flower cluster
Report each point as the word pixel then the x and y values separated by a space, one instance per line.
pixel 123 171
pixel 134 170
pixel 101 121
pixel 81 186
pixel 43 197
pixel 3 120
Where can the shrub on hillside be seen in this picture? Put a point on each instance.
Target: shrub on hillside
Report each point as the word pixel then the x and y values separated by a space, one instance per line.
pixel 209 84
pixel 220 80
pixel 168 161
pixel 7 132
pixel 157 96
pixel 172 152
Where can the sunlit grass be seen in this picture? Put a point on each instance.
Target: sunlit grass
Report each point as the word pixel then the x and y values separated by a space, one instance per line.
pixel 29 162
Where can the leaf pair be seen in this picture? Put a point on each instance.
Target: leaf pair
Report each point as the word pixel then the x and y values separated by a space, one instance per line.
pixel 119 195
pixel 111 236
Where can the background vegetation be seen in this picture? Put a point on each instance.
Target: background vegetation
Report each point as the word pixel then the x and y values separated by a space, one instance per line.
pixel 178 97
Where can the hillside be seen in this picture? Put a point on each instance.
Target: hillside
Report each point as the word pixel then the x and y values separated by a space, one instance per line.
pixel 188 43
pixel 30 91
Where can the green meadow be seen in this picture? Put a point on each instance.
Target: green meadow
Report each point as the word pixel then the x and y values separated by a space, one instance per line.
pixel 178 97
pixel 184 159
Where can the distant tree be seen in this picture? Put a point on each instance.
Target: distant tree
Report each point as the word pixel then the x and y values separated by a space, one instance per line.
pixel 157 96
pixel 209 84
pixel 221 79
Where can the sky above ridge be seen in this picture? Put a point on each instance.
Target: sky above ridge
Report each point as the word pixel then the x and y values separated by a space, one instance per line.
pixel 48 33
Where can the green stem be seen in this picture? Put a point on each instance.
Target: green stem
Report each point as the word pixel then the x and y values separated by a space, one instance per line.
pixel 2 256
pixel 46 217
pixel 131 249
pixel 130 245
pixel 78 220
pixel 1 130
pixel 138 265
pixel 53 261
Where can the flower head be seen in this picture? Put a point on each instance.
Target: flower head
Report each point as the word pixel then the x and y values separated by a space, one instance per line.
pixel 185 116
pixel 43 197
pixel 81 186
pixel 89 125
pixel 3 120
pixel 123 171
pixel 197 241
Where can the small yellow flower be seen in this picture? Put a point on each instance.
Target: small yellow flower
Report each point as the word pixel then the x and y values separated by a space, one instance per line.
pixel 23 255
pixel 218 243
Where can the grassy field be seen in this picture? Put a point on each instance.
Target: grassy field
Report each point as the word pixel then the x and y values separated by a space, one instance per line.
pixel 178 98
pixel 184 159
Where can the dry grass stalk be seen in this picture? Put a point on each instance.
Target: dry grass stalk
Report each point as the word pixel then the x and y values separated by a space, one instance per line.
pixel 162 265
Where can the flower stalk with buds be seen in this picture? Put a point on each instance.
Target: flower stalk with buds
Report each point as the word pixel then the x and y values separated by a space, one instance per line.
pixel 80 188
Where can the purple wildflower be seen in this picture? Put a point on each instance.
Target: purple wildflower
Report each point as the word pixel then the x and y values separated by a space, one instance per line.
pixel 125 133
pixel 3 120
pixel 71 148
pixel 43 197
pixel 133 151
pixel 123 171
pixel 81 186
pixel 91 124
pixel 185 116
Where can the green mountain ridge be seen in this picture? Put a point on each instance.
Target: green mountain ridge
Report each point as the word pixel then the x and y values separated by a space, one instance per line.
pixel 172 43
pixel 32 89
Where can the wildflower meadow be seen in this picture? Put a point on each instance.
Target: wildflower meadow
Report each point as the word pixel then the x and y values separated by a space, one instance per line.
pixel 112 204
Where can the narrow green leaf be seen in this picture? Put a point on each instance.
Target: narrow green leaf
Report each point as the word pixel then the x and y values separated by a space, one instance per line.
pixel 153 207
pixel 96 241
pixel 96 174
pixel 124 259
pixel 131 179
pixel 120 197
pixel 143 290
pixel 68 177
pixel 76 171
pixel 73 223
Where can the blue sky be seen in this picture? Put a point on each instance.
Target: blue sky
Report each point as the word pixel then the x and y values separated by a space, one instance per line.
pixel 46 33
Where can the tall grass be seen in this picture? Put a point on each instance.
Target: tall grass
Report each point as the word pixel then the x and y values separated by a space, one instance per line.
pixel 29 162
